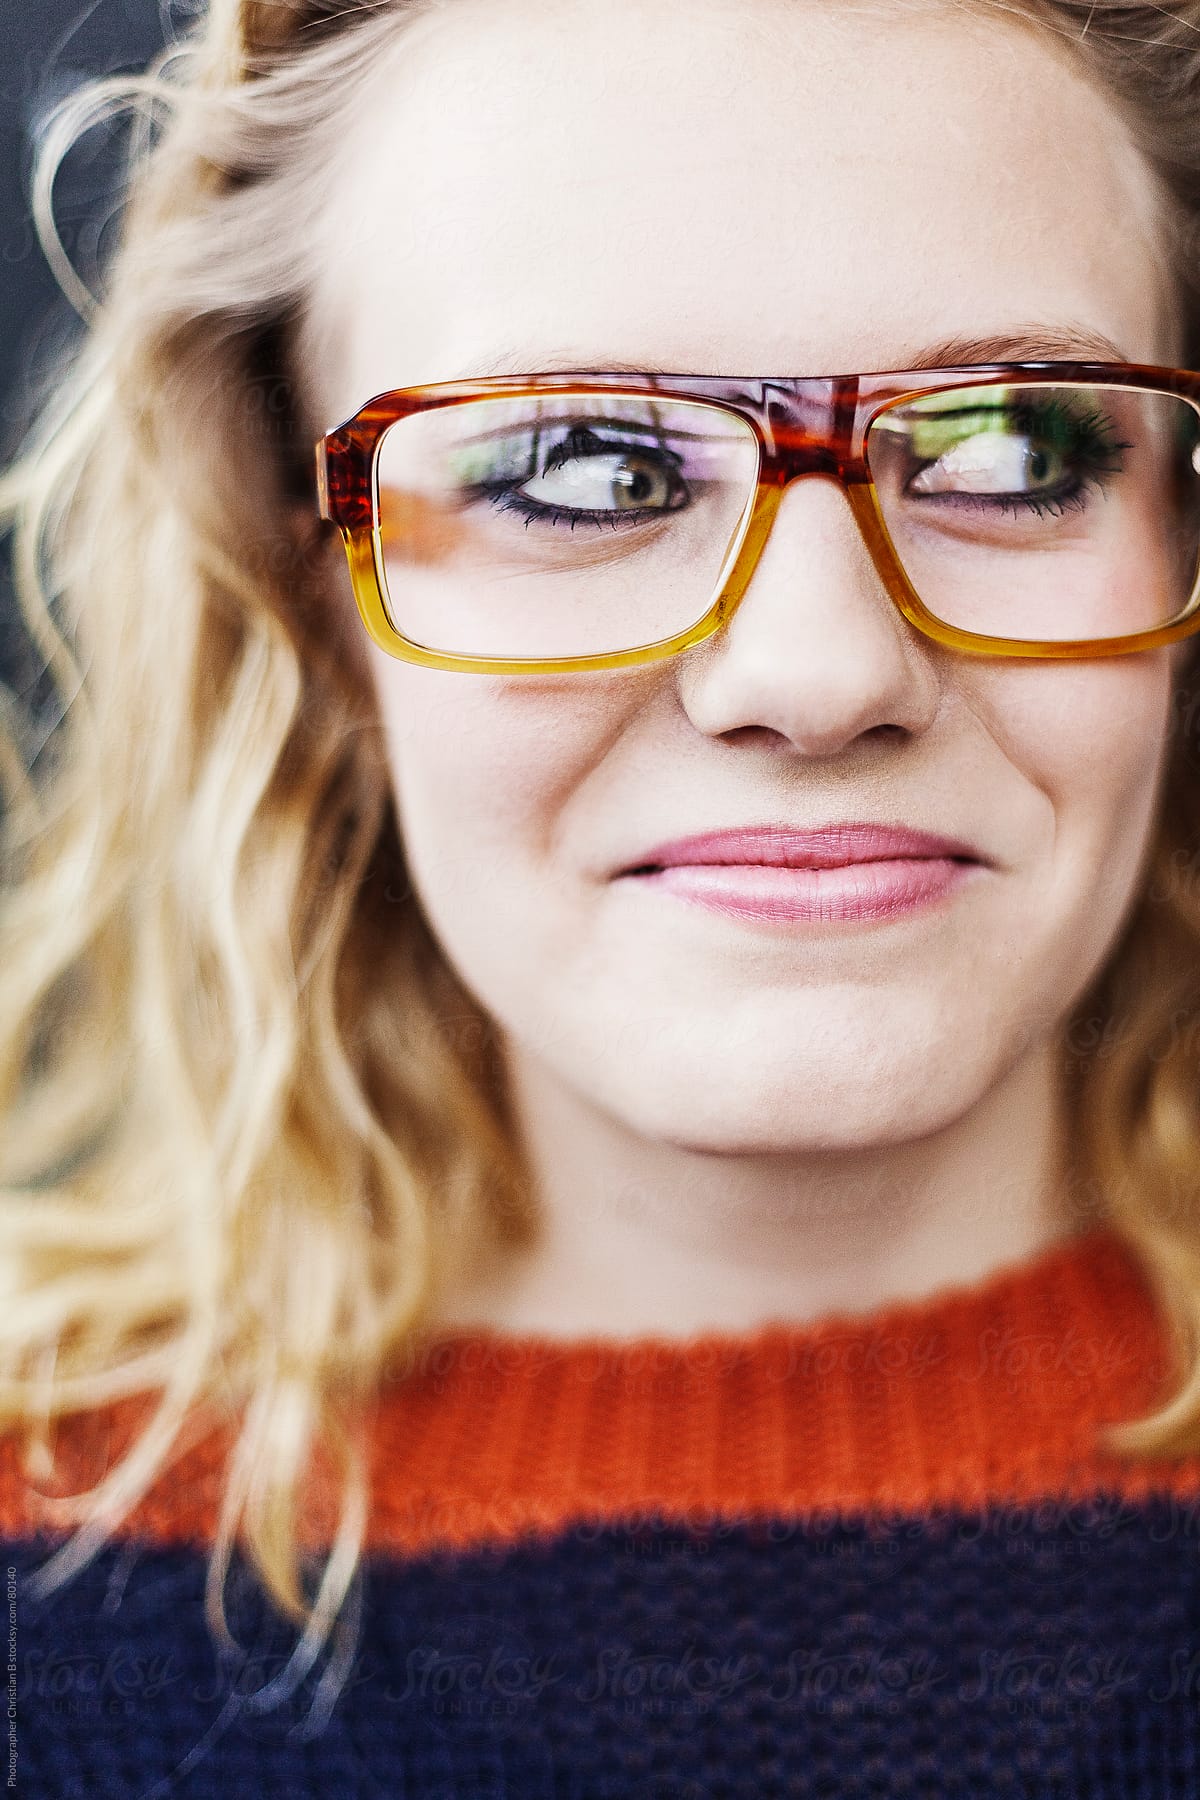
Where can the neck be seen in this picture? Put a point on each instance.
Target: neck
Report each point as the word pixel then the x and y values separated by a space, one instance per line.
pixel 640 1236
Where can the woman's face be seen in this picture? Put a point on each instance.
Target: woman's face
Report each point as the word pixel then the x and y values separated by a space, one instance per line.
pixel 753 188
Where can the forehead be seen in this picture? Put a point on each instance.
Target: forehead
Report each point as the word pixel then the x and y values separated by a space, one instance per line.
pixel 776 186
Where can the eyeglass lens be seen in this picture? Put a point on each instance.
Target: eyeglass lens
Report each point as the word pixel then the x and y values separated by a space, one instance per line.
pixel 575 524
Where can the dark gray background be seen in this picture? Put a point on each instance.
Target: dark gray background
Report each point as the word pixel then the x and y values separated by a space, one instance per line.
pixel 47 48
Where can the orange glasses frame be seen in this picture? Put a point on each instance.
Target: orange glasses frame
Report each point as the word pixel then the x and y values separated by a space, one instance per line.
pixel 806 425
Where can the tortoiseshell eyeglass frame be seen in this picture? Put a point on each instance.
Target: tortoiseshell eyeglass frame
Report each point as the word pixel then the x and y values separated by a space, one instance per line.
pixel 805 425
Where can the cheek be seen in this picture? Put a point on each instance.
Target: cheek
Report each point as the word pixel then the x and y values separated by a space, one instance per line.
pixel 481 769
pixel 1093 738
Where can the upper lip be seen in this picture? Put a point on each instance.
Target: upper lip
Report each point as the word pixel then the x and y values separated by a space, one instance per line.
pixel 804 847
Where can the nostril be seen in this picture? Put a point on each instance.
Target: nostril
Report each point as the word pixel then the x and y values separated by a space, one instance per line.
pixel 766 735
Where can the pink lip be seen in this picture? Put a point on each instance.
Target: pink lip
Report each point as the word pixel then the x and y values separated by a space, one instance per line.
pixel 847 870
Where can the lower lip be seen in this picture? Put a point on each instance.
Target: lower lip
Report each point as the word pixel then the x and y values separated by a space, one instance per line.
pixel 862 891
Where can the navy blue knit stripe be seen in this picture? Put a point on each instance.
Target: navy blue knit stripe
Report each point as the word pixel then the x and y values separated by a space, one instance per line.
pixel 1050 1651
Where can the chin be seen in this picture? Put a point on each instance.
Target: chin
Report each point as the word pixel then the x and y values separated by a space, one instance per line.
pixel 728 1112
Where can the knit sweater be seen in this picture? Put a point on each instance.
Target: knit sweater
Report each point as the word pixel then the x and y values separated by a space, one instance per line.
pixel 877 1554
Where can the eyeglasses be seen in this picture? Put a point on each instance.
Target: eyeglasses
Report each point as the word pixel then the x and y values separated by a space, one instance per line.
pixel 586 521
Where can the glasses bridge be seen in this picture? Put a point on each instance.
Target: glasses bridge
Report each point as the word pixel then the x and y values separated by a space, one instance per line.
pixel 807 426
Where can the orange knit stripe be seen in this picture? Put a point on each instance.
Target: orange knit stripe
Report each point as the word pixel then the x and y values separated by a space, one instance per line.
pixel 970 1398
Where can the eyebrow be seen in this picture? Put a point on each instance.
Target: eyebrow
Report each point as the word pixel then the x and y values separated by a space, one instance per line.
pixel 1030 343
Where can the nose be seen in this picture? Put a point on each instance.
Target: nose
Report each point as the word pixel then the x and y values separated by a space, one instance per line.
pixel 816 650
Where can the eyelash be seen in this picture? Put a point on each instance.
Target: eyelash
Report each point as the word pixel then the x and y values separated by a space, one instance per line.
pixel 1095 444
pixel 507 499
pixel 505 496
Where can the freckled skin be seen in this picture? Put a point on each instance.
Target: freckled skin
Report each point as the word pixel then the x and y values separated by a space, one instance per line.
pixel 761 188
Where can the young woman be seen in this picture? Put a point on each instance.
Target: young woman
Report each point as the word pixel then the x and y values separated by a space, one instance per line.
pixel 601 975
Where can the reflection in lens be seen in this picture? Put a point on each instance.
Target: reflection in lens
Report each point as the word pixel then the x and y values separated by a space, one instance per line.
pixel 565 524
pixel 1039 511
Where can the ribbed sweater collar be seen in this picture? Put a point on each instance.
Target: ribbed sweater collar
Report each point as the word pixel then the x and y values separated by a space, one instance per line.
pixel 977 1394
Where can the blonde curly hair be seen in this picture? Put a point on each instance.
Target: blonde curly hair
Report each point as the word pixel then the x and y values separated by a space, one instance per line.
pixel 251 1114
